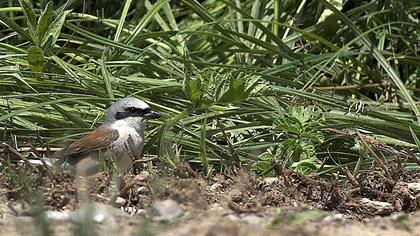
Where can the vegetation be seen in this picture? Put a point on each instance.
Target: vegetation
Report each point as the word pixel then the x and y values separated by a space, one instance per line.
pixel 320 86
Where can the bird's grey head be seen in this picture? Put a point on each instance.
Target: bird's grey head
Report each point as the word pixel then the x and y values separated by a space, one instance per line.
pixel 132 110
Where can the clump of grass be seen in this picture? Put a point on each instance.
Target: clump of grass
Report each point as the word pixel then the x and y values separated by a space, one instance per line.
pixel 220 73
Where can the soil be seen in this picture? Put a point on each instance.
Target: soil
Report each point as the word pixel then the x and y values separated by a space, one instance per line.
pixel 240 203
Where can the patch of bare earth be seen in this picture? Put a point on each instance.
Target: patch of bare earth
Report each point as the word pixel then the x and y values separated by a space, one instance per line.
pixel 237 204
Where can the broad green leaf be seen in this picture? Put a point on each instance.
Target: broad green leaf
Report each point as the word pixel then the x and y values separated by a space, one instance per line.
pixel 36 59
pixel 44 22
pixel 30 18
pixel 54 29
pixel 29 13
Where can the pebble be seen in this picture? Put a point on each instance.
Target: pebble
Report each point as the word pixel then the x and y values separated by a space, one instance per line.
pixel 215 186
pixel 143 176
pixel 166 210
pixel 334 218
pixel 120 201
pixel 254 220
pixel 97 211
pixel 267 182
pixel 142 190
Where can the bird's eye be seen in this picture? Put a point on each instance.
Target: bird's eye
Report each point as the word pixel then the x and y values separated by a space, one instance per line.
pixel 131 109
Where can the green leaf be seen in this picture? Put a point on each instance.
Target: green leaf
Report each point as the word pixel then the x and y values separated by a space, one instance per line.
pixel 21 79
pixel 36 59
pixel 54 30
pixel 44 22
pixel 30 18
pixel 264 163
pixel 145 20
pixel 15 27
pixel 416 139
pixel 29 13
pixel 234 92
pixel 106 75
pixel 298 150
pixel 122 20
pixel 69 115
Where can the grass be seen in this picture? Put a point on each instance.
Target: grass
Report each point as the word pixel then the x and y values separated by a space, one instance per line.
pixel 248 83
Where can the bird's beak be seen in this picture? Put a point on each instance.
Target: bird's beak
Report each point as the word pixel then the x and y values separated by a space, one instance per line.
pixel 152 115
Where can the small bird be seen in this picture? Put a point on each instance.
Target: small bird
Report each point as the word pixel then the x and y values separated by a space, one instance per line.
pixel 115 142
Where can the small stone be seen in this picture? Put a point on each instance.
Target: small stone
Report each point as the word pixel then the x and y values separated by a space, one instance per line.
pixel 166 210
pixel 97 212
pixel 120 201
pixel 58 215
pixel 254 220
pixel 270 180
pixel 131 210
pixel 143 176
pixel 142 190
pixel 215 186
pixel 334 218
pixel 232 217
pixel 141 212
pixel 99 217
pixel 414 187
pixel 267 182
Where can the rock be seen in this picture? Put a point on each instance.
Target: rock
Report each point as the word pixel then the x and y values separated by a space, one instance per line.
pixel 143 176
pixel 166 210
pixel 270 180
pixel 142 190
pixel 98 213
pixel 232 217
pixel 334 218
pixel 254 220
pixel 58 215
pixel 133 210
pixel 215 186
pixel 120 201
pixel 267 182
pixel 414 187
pixel 377 207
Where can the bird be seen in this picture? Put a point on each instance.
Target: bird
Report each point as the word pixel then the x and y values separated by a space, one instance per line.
pixel 113 144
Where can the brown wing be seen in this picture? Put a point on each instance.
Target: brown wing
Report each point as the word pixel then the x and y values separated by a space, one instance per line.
pixel 97 139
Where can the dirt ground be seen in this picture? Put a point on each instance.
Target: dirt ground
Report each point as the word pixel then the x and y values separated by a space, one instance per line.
pixel 234 204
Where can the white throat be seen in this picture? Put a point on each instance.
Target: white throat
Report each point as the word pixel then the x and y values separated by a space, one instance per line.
pixel 126 130
pixel 128 126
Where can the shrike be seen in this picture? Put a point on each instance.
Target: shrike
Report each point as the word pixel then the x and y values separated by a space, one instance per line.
pixel 115 142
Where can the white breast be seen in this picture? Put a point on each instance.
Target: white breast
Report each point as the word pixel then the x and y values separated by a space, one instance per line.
pixel 121 146
pixel 125 131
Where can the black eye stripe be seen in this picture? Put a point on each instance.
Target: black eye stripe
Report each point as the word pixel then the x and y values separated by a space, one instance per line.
pixel 130 109
pixel 135 109
pixel 132 112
